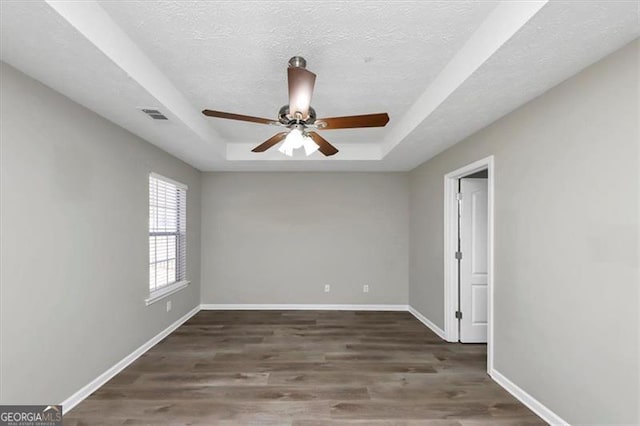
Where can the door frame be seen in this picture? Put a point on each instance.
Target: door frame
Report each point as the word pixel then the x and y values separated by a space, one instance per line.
pixel 450 247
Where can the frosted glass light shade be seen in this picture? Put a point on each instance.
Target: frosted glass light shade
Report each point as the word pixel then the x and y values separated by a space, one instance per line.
pixel 296 139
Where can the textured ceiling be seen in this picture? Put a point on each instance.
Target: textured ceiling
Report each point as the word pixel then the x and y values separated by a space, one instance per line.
pixel 399 57
pixel 38 41
pixel 369 56
pixel 524 68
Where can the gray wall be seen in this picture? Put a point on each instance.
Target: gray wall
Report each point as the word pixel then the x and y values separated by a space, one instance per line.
pixel 566 241
pixel 280 237
pixel 74 243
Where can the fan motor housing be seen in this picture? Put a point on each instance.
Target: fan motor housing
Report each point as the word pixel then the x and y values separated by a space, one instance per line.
pixel 285 118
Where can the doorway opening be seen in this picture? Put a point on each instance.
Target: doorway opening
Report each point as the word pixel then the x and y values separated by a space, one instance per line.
pixel 468 251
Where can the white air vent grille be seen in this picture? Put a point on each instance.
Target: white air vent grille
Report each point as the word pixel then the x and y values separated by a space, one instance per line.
pixel 154 113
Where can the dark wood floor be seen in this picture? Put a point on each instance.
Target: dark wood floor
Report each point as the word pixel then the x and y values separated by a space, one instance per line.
pixel 304 368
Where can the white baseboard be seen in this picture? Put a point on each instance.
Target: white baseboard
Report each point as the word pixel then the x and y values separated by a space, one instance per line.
pixel 534 405
pixel 427 322
pixel 84 392
pixel 299 307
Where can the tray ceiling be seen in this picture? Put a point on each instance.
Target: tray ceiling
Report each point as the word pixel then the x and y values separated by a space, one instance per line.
pixel 442 70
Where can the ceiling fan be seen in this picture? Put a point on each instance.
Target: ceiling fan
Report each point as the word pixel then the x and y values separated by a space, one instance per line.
pixel 300 118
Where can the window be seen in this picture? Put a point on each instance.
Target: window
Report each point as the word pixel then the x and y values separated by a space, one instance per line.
pixel 167 236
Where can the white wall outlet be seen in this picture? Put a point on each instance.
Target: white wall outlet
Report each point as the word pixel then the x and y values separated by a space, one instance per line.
pixel 327 288
pixel 168 305
pixel 365 288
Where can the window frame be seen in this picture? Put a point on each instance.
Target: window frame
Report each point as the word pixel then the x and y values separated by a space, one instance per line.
pixel 180 238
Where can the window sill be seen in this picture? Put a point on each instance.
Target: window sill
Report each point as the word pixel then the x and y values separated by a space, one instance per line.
pixel 166 291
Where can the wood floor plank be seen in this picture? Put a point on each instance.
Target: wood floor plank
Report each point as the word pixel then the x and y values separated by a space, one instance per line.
pixel 304 368
pixel 233 393
pixel 210 379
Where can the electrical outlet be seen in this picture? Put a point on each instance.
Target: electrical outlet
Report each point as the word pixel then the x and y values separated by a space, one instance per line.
pixel 168 305
pixel 365 288
pixel 327 288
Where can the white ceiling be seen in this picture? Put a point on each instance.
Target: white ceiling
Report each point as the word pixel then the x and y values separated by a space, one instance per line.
pixel 442 70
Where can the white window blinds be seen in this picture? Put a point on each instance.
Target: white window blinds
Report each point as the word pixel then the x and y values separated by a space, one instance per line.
pixel 167 232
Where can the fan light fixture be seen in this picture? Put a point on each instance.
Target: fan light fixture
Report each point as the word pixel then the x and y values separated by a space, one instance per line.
pixel 297 139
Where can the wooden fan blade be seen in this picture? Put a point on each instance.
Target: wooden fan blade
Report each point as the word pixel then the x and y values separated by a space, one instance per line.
pixel 231 116
pixel 270 142
pixel 353 121
pixel 325 147
pixel 301 82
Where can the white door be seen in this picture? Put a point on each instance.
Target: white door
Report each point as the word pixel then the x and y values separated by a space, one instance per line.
pixel 473 265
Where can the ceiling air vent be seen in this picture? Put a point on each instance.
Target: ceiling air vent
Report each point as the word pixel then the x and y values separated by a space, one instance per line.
pixel 154 113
